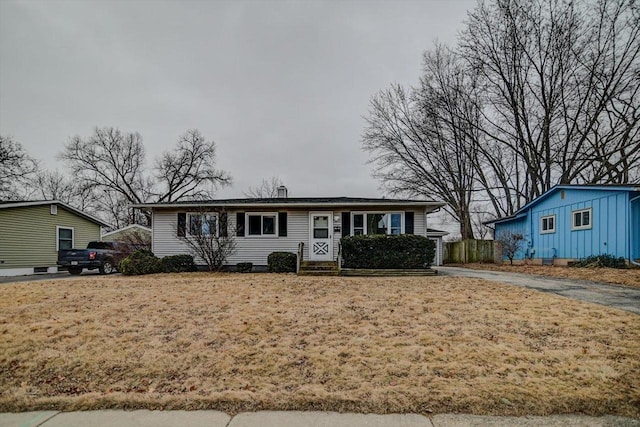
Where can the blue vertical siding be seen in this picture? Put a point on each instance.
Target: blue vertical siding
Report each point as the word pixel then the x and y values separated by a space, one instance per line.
pixel 516 226
pixel 612 221
pixel 635 226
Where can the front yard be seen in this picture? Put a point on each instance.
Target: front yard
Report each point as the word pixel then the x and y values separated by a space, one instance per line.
pixel 264 341
pixel 615 276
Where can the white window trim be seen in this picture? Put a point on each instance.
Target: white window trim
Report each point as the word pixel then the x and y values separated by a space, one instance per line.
pixel 53 209
pixel 73 236
pixel 188 222
pixel 582 227
pixel 247 228
pixel 550 230
pixel 364 221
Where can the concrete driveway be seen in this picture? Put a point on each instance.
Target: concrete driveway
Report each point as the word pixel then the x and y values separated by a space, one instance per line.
pixel 46 276
pixel 621 297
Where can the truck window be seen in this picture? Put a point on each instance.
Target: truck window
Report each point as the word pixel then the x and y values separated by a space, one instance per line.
pixel 99 245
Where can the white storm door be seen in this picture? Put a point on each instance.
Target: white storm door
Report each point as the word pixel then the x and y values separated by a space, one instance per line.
pixel 321 236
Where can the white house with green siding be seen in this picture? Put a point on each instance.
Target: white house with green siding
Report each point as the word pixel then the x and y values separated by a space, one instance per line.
pixel 31 232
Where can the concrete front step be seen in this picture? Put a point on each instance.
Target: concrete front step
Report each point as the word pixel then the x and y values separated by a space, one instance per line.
pixel 319 264
pixel 318 268
pixel 317 273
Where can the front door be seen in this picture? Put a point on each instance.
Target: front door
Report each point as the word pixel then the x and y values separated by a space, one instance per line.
pixel 321 236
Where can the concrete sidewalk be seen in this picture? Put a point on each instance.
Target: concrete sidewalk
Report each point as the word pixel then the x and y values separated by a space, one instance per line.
pixel 144 418
pixel 621 297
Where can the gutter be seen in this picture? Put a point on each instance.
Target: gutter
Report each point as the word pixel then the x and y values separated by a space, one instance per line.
pixel 434 205
pixel 631 233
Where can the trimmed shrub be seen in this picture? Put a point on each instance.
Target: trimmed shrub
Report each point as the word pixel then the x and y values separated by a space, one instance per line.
pixel 282 262
pixel 142 261
pixel 244 267
pixel 178 264
pixel 603 260
pixel 385 251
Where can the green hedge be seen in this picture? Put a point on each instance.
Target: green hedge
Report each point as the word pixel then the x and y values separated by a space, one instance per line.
pixel 141 261
pixel 282 262
pixel 244 267
pixel 178 264
pixel 383 251
pixel 603 260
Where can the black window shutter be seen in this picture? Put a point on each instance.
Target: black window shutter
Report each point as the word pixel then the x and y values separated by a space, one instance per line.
pixel 240 224
pixel 182 224
pixel 346 224
pixel 282 224
pixel 408 222
pixel 223 224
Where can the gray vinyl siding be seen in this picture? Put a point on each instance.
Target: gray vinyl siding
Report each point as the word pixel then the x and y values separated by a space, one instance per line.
pixel 28 235
pixel 256 249
pixel 248 249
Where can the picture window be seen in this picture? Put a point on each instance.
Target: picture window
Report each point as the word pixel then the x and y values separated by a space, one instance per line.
pixel 376 223
pixel 202 224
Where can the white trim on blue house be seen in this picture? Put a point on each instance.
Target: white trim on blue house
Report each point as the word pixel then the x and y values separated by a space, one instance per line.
pixel 545 228
pixel 582 216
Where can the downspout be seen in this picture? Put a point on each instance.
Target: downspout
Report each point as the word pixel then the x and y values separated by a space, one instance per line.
pixel 631 231
pixel 531 248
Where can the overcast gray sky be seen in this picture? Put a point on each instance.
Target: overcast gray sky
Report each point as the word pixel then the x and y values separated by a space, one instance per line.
pixel 281 87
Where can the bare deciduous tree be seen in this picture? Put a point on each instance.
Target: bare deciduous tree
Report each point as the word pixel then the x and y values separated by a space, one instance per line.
pixel 208 238
pixel 53 185
pixel 189 170
pixel 421 141
pixel 511 243
pixel 112 164
pixel 16 168
pixel 268 189
pixel 537 93
pixel 560 83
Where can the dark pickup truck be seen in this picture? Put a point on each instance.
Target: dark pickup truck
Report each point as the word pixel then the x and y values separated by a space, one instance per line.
pixel 104 256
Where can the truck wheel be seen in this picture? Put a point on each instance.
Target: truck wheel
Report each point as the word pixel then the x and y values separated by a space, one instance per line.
pixel 75 270
pixel 106 267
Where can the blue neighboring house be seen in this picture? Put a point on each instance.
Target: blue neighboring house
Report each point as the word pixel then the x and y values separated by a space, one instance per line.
pixel 572 222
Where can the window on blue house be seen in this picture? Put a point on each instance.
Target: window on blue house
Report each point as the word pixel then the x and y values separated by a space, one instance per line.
pixel 581 220
pixel 548 224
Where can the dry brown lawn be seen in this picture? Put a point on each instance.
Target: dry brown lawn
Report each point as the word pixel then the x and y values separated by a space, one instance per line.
pixel 616 276
pixel 263 341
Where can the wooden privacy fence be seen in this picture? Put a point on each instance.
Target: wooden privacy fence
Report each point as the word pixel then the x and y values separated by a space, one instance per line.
pixel 471 250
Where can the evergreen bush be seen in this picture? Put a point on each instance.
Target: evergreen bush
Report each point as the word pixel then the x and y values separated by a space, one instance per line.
pixel 244 267
pixel 178 264
pixel 142 261
pixel 282 262
pixel 387 251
